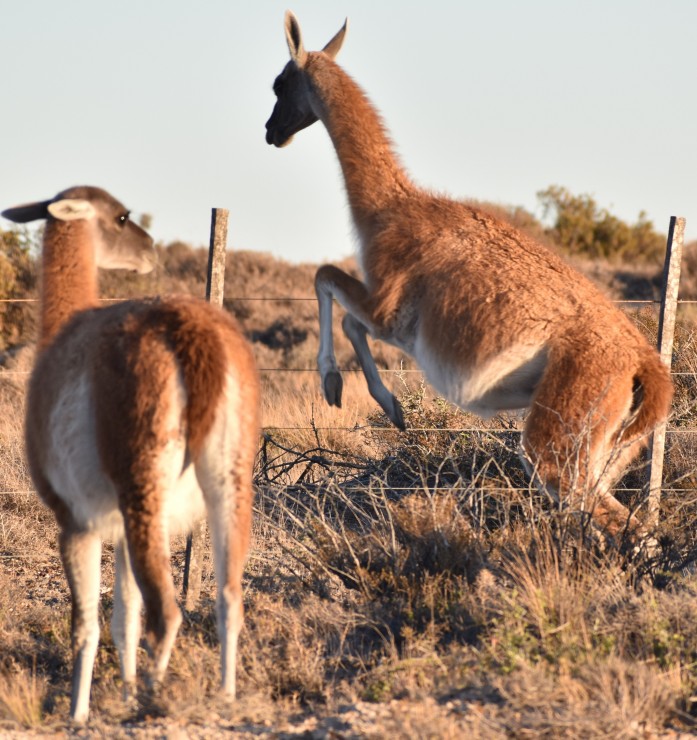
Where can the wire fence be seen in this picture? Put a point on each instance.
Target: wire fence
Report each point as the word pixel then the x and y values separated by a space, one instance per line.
pixel 191 591
pixel 629 303
pixel 217 251
pixel 9 374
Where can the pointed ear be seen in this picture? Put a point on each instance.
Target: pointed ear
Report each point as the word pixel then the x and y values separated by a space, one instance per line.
pixel 70 209
pixel 26 213
pixel 295 40
pixel 334 46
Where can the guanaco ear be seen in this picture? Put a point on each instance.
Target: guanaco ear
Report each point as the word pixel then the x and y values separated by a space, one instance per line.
pixel 334 46
pixel 295 40
pixel 28 212
pixel 71 209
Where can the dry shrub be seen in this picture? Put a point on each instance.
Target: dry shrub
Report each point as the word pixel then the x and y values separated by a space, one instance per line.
pixel 13 379
pixel 632 695
pixel 294 649
pixel 23 518
pixel 603 654
pixel 22 695
pixel 551 620
pixel 436 535
pixel 617 699
pixel 296 416
pixel 551 612
pixel 411 560
pixel 445 443
pixel 17 280
pixel 688 273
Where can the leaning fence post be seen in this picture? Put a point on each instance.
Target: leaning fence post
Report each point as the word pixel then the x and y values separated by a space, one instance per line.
pixel 193 565
pixel 666 333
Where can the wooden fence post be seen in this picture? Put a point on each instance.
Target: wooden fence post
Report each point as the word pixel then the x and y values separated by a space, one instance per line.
pixel 193 565
pixel 666 333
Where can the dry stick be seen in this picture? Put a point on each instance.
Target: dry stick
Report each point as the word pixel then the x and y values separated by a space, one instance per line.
pixel 666 332
pixel 195 542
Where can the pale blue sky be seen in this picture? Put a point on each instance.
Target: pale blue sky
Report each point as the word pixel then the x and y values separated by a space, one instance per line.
pixel 163 103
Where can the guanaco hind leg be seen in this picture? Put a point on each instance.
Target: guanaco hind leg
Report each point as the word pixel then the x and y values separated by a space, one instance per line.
pixel 125 622
pixel 230 532
pixel 149 551
pixel 81 555
pixel 224 470
pixel 573 439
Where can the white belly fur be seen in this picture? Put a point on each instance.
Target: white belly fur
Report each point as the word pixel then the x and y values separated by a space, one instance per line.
pixel 474 389
pixel 75 473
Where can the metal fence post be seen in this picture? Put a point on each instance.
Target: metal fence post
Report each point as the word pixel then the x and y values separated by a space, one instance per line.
pixel 215 283
pixel 666 333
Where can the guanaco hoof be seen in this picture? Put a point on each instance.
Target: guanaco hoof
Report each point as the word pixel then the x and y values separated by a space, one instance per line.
pixel 333 385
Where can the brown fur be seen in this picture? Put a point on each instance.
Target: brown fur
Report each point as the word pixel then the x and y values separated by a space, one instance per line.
pixel 70 267
pixel 142 349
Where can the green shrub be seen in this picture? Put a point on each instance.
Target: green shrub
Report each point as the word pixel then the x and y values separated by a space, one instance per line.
pixel 581 227
pixel 17 280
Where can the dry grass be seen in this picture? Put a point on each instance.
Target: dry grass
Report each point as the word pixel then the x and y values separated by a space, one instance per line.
pixel 22 696
pixel 399 585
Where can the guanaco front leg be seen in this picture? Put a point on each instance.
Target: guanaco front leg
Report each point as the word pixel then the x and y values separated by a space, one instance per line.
pixel 330 283
pixel 332 383
pixel 357 333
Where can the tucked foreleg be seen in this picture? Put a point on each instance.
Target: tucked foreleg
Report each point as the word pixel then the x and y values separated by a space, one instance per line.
pixel 357 334
pixel 326 288
pixel 353 296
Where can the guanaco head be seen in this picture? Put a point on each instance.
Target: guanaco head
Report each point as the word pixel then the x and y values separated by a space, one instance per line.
pixel 295 107
pixel 118 242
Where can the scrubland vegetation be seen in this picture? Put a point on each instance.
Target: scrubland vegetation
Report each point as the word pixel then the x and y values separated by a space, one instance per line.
pixel 400 584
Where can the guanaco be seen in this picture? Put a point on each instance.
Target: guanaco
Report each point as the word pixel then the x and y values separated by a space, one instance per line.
pixel 495 320
pixel 141 417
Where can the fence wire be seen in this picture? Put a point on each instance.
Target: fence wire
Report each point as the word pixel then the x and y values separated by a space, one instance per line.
pixel 9 374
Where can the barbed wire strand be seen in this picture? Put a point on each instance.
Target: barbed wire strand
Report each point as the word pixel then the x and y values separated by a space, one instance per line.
pixel 384 371
pixel 621 301
pixel 24 373
pixel 379 484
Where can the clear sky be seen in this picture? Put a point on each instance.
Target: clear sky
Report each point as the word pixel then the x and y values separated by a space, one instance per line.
pixel 163 103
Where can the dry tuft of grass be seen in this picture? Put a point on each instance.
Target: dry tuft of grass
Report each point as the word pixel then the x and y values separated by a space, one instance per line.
pixel 22 696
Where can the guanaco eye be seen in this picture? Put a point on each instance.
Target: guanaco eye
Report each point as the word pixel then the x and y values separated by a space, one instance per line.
pixel 123 218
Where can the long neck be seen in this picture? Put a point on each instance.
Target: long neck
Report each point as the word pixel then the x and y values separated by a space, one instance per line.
pixel 68 275
pixel 373 175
